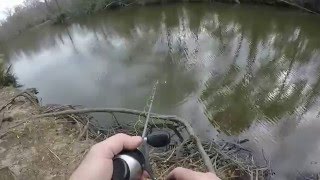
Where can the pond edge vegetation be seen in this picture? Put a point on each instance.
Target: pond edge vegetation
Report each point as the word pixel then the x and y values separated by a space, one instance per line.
pixel 7 78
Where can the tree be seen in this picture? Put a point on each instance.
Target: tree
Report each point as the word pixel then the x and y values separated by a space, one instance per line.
pixel 31 3
pixel 18 9
pixel 47 6
pixel 8 12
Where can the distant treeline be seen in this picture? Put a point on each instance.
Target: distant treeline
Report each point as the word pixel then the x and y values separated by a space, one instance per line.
pixel 35 12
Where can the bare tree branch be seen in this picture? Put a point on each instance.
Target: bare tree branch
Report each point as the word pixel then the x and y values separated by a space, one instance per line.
pixel 8 12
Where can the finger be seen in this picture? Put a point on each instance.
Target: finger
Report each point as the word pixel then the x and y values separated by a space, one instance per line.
pixel 115 144
pixel 187 174
pixel 181 173
pixel 145 175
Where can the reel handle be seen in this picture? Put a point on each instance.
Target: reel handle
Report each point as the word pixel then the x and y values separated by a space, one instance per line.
pixel 128 165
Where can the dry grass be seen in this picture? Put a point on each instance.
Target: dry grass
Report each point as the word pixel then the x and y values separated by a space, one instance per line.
pixel 52 147
pixel 38 148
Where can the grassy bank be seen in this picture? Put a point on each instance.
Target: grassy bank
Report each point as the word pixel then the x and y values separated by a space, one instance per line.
pixel 35 12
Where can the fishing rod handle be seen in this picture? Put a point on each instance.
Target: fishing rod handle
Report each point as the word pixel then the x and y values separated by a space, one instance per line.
pixel 128 165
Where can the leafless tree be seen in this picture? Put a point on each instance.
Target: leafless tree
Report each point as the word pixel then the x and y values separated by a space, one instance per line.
pixel 8 12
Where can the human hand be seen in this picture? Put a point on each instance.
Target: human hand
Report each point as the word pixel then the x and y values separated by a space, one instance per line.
pixel 187 174
pixel 98 163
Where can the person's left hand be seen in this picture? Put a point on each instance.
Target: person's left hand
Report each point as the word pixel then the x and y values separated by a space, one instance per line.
pixel 98 164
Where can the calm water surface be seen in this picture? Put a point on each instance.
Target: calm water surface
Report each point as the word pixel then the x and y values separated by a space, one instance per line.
pixel 244 71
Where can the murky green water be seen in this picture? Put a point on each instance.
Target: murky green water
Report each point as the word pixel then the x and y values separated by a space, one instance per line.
pixel 251 71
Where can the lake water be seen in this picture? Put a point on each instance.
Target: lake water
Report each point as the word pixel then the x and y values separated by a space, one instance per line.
pixel 246 71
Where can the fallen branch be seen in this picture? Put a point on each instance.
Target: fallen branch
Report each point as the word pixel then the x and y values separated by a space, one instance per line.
pixel 203 153
pixel 105 110
pixel 26 94
pixel 176 119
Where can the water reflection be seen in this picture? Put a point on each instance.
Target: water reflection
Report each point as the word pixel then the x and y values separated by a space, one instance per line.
pixel 252 76
pixel 264 77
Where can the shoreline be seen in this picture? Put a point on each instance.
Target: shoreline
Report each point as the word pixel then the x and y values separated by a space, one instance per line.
pixel 39 142
pixel 64 17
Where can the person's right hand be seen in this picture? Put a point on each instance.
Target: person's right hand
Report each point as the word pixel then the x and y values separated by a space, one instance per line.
pixel 187 174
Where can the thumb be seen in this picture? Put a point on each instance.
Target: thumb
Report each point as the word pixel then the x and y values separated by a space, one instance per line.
pixel 181 173
pixel 187 174
pixel 115 144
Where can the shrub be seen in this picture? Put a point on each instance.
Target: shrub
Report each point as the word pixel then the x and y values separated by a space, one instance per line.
pixel 7 78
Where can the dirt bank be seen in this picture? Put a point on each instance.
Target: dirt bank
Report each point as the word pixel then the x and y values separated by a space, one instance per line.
pixel 43 148
pixel 52 147
pixel 48 142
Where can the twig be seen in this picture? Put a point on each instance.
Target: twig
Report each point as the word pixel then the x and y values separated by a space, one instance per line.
pixel 109 4
pixel 204 155
pixel 84 130
pixel 1 120
pixel 75 119
pixel 115 118
pixel 170 156
pixel 178 149
pixel 215 160
pixel 54 154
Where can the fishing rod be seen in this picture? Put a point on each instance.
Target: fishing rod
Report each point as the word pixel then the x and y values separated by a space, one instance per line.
pixel 129 165
pixel 149 111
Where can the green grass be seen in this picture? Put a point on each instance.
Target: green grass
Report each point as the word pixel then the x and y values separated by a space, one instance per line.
pixel 7 78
